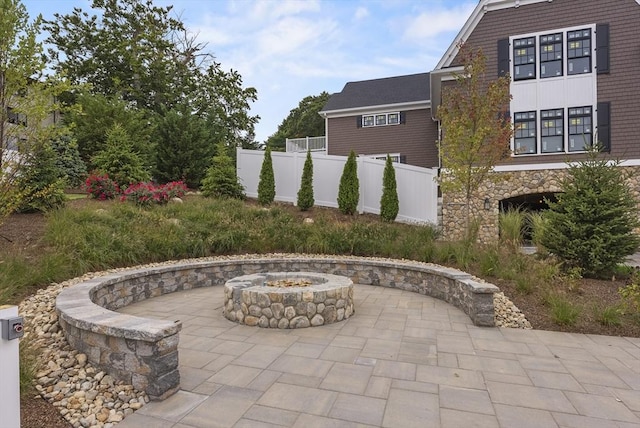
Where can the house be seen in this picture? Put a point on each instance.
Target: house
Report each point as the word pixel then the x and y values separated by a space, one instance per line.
pixel 574 67
pixel 383 116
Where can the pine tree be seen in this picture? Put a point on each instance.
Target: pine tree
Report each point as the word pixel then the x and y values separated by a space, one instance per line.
pixel 591 226
pixel 41 182
pixel 267 184
pixel 305 194
pixel 221 180
pixel 389 204
pixel 349 190
pixel 119 160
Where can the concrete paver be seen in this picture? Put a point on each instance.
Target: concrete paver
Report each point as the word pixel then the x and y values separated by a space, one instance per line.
pixel 402 360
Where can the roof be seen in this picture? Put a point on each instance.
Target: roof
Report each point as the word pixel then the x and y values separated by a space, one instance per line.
pixel 379 92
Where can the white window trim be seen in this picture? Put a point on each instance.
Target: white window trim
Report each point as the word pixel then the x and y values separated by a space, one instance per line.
pixel 383 157
pixel 386 113
pixel 565 76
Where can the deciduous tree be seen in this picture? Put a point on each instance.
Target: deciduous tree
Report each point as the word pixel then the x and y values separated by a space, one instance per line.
pixel 476 128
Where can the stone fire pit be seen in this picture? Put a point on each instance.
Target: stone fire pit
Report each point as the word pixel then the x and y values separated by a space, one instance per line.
pixel 288 299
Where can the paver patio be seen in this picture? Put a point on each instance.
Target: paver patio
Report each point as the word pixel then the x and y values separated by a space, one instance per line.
pixel 403 360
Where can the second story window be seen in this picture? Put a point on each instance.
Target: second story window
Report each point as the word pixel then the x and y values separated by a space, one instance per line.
pixel 579 51
pixel 381 119
pixel 524 58
pixel 580 128
pixel 551 55
pixel 552 131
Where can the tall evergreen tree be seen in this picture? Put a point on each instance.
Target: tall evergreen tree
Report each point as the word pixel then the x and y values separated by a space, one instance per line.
pixel 305 193
pixel 591 226
pixel 349 190
pixel 267 184
pixel 389 204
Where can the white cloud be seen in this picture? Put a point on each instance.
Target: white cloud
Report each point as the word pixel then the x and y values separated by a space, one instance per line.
pixel 430 24
pixel 361 13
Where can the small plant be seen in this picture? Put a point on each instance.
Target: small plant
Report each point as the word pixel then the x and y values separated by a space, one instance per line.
pixel 100 186
pixel 489 261
pixel 524 284
pixel 28 366
pixel 305 194
pixel 512 223
pixel 349 190
pixel 630 295
pixel 267 184
pixel 146 194
pixel 537 226
pixel 563 312
pixel 573 275
pixel 389 204
pixel 609 316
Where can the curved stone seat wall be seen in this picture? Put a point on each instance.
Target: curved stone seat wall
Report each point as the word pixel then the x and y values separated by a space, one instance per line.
pixel 144 352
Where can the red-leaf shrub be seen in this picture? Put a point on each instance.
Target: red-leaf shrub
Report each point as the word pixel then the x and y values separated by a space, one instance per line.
pixel 101 187
pixel 146 194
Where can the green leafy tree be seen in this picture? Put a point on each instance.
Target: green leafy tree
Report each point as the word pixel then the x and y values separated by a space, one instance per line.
pixel 186 149
pixel 389 204
pixel 267 184
pixel 591 226
pixel 134 51
pixel 302 121
pixel 98 113
pixel 349 189
pixel 68 160
pixel 27 98
pixel 41 181
pixel 118 159
pixel 221 180
pixel 476 129
pixel 305 193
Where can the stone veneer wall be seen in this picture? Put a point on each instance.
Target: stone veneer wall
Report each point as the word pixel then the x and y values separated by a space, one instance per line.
pixel 144 352
pixel 508 185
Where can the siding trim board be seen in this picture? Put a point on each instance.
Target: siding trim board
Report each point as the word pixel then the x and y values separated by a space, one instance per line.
pixel 418 105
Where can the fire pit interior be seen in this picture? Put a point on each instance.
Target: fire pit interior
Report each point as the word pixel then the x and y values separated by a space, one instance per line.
pixel 288 299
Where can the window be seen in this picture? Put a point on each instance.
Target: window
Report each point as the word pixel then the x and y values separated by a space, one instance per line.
pixel 579 51
pixel 16 118
pixel 524 58
pixel 381 119
pixel 525 133
pixel 552 131
pixel 395 157
pixel 580 129
pixel 551 55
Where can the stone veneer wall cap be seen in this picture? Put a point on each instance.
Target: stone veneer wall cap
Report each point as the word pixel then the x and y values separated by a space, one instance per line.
pixel 481 287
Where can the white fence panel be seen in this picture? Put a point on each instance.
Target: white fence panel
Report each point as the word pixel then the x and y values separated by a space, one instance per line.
pixel 417 187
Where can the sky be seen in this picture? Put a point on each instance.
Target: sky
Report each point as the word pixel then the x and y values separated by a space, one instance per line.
pixel 290 49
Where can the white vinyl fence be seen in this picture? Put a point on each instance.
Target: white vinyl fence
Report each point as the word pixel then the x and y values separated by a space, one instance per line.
pixel 417 187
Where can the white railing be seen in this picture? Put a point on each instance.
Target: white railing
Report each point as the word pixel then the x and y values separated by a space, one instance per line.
pixel 315 144
pixel 417 187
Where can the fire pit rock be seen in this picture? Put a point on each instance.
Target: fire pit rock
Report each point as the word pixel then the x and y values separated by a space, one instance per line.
pixel 288 299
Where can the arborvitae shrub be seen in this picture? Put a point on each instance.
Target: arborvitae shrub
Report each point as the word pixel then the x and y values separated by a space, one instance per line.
pixel 591 225
pixel 267 184
pixel 305 193
pixel 389 204
pixel 349 190
pixel 221 180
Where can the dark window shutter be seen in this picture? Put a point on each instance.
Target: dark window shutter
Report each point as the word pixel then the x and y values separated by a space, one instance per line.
pixel 602 48
pixel 359 121
pixel 503 57
pixel 403 158
pixel 604 128
pixel 403 117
